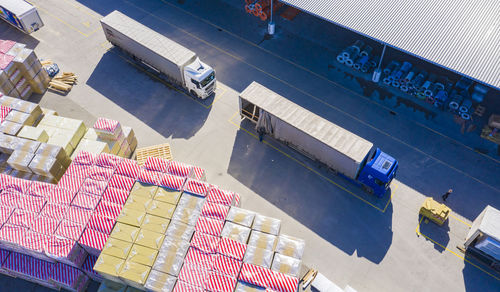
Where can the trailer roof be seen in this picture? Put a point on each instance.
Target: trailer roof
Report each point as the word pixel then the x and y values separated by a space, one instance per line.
pixel 490 224
pixel 149 38
pixel 17 7
pixel 460 35
pixel 323 130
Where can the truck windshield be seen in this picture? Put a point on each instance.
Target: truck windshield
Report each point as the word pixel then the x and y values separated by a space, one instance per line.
pixel 207 80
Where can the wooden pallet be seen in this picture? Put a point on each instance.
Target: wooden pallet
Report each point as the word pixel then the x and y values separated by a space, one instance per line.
pixel 162 151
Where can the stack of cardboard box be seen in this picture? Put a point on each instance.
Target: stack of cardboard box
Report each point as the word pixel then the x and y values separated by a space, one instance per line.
pixel 21 73
pixel 121 141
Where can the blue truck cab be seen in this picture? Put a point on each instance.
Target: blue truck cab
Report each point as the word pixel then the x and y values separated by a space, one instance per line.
pixel 377 173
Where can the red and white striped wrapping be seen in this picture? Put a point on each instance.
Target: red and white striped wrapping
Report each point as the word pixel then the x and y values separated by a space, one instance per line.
pixel 70 230
pixel 255 275
pixel 4 111
pixel 78 215
pixel 61 196
pixel 18 184
pixel 215 211
pixel 12 235
pixel 232 248
pixel 197 257
pixel 107 126
pixel 226 265
pixel 179 169
pixel 22 218
pixel 115 195
pixel 32 204
pixel 93 241
pixel 5 213
pixel 36 242
pixel 185 287
pixel 88 268
pixel 156 164
pixel 101 223
pixel 28 267
pixel 219 196
pixel 69 277
pixel 85 201
pixel 209 226
pixel 198 173
pixel 84 157
pixel 128 168
pixel 54 211
pixel 204 242
pixel 10 199
pixel 121 182
pixel 108 209
pixel 93 186
pixel 79 170
pixel 282 282
pixel 44 225
pixel 149 176
pixel 173 182
pixel 65 250
pixel 236 200
pixel 108 160
pixel 196 187
pixel 217 282
pixel 101 173
pixel 40 189
pixel 193 274
pixel 72 183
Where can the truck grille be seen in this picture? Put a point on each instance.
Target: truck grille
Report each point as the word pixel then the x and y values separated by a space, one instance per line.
pixel 210 88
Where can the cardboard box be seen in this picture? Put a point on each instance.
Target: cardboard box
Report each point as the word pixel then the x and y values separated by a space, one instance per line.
pixel 46 166
pixel 114 146
pixel 124 232
pixel 16 49
pixel 54 151
pixel 131 217
pixel 6 86
pixel 91 146
pixel 155 223
pixel 33 133
pixel 158 281
pixel 129 134
pixel 26 93
pixel 149 239
pixel 117 248
pixel 109 267
pixel 138 203
pixel 27 145
pixel 161 209
pixel 134 274
pixel 142 255
pixel 144 190
pixel 167 195
pixel 19 117
pixel 20 160
pixel 62 139
pixel 52 121
pixel 90 134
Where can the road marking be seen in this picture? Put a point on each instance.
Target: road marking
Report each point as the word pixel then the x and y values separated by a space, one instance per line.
pixel 216 98
pixel 312 96
pixel 314 171
pixel 320 76
pixel 417 230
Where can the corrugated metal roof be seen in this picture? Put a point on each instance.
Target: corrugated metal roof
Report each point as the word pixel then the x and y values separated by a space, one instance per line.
pixel 460 35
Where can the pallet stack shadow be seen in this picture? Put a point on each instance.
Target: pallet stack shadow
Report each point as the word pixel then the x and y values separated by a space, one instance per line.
pixel 176 233
pixel 21 73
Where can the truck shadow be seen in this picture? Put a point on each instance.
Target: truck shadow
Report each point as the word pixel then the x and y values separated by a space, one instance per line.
pixel 338 217
pixel 483 279
pixel 169 111
pixel 8 32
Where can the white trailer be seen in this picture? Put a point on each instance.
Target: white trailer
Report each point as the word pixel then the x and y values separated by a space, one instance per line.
pixel 180 65
pixel 21 15
pixel 483 239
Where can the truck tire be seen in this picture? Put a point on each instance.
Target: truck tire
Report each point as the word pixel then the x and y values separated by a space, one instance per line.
pixel 368 189
pixel 193 94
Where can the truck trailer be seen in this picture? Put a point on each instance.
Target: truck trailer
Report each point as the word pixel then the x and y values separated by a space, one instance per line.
pixel 340 150
pixel 21 15
pixel 483 238
pixel 178 64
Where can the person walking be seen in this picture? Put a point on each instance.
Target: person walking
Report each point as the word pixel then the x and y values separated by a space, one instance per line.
pixel 447 194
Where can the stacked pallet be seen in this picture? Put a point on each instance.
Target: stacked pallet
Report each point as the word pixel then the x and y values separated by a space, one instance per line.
pixel 21 72
pixel 179 233
pixel 121 140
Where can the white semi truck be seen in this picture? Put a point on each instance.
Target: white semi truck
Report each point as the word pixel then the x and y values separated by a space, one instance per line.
pixel 21 15
pixel 180 65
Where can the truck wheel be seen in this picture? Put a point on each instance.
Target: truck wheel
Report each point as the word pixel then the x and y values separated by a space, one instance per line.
pixel 368 189
pixel 193 93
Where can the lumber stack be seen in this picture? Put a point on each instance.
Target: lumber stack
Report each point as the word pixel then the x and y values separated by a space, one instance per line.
pixel 64 82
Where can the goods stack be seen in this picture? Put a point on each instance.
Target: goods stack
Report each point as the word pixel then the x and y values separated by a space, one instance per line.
pixel 21 73
pixel 491 131
pixel 358 56
pixel 261 8
pixel 176 233
pixel 121 141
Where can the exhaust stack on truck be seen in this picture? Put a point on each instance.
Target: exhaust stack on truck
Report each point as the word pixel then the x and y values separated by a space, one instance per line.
pixel 319 139
pixel 180 65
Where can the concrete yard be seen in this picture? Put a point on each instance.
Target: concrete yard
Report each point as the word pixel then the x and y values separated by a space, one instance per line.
pixel 352 238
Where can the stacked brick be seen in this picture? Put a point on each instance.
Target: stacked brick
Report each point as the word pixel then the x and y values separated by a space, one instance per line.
pixel 21 73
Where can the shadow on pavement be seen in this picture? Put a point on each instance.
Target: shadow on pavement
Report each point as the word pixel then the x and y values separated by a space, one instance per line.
pixel 168 111
pixel 338 217
pixel 439 234
pixel 8 32
pixel 477 280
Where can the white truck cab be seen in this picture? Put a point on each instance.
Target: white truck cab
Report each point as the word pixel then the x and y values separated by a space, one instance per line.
pixel 199 79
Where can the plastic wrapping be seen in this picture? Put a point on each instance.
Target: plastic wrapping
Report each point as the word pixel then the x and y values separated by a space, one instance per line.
pixel 131 216
pixel 160 209
pixel 196 187
pixel 241 216
pixel 217 282
pixel 159 282
pixel 149 239
pixel 69 277
pixel 46 166
pixel 144 190
pixel 109 266
pixel 286 265
pixel 258 256
pixel 226 265
pixel 193 274
pixel 191 201
pixel 168 261
pixel 186 215
pixel 209 226
pixel 167 195
pixel 204 242
pixel 20 160
pixel 142 255
pixel 215 211
pixel 124 232
pixel 236 232
pixel 245 287
pixel 134 274
pixel 93 241
pixel 179 230
pixel 290 246
pixel 231 248
pixel 100 223
pixel 155 223
pixel 266 224
pixel 138 203
pixel 197 257
pixel 262 240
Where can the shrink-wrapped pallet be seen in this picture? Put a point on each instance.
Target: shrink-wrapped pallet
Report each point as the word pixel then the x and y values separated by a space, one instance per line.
pixel 236 232
pixel 158 282
pixel 10 128
pixel 108 129
pixel 20 160
pixel 241 216
pixel 258 256
pixel 46 166
pixel 179 230
pixel 290 246
pixel 33 133
pixel 186 215
pixel 191 201
pixel 262 240
pixel 266 224
pixel 168 262
pixel 286 265
pixel 134 274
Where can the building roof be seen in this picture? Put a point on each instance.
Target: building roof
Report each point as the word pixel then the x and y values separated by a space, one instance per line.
pixel 460 35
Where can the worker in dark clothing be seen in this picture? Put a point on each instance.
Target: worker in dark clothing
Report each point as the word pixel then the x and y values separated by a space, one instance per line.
pixel 445 196
pixel 261 133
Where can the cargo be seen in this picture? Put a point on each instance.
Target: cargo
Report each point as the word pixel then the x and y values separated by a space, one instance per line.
pixel 179 230
pixel 167 195
pixel 159 282
pixel 231 248
pixel 20 160
pixel 236 232
pixel 129 168
pixel 217 282
pixel 69 278
pixel 110 286
pixel 209 226
pixel 93 241
pixel 191 201
pixel 10 128
pixel 245 287
pixel 25 93
pixel 137 203
pixel 46 166
pixel 134 274
pixel 129 134
pixel 6 86
pixel 286 265
pixel 215 211
pixel 121 182
pixel 226 265
pixel 266 224
pixel 258 256
pixel 91 146
pixel 33 133
pixel 125 232
pixel 59 138
pixel 70 230
pixel 108 129
pixel 144 190
pixel 24 59
pixel 88 268
pixel 149 239
pixel 109 267
pixel 15 50
pixel 66 251
pixel 142 255
pixel 27 145
pixel 204 242
pixel 90 134
pixel 290 246
pixel 173 245
pixel 101 223
pixel 53 151
pixel 131 217
pixel 117 248
pixel 155 223
pixel 160 209
pixel 167 262
pixel 240 216
pixel 262 240
pixel 186 215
